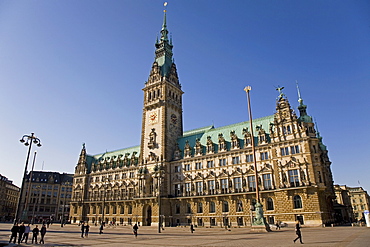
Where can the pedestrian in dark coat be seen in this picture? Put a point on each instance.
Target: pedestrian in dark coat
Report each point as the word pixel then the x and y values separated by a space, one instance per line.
pixel 35 233
pixel 42 232
pixel 192 228
pixel 87 229
pixel 298 232
pixel 22 228
pixel 82 230
pixel 101 228
pixel 14 230
pixel 135 228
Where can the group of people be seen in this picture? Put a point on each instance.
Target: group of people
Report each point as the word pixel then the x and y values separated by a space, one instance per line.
pixel 20 233
pixel 85 229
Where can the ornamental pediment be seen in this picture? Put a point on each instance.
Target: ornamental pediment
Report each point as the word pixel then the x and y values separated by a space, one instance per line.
pixel 266 168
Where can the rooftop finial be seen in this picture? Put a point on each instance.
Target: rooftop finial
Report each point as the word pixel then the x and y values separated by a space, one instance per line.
pixel 300 100
pixel 281 94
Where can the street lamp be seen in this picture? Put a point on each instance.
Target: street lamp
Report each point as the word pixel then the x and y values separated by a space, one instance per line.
pixel 259 223
pixel 27 140
pixel 36 202
pixel 64 203
pixel 106 182
pixel 158 170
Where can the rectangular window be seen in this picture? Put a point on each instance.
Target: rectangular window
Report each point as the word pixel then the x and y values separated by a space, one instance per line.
pixel 187 167
pixel 235 160
pixel 284 151
pixel 187 187
pixel 237 183
pixel 224 184
pixel 267 181
pixel 249 157
pixel 264 156
pixel 251 183
pixel 222 162
pixel 210 164
pixel 198 165
pixel 199 186
pixel 177 168
pixel 293 178
pixel 211 185
pixel 177 189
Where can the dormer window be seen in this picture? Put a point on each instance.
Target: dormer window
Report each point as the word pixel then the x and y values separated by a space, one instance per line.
pixel 210 147
pixel 221 142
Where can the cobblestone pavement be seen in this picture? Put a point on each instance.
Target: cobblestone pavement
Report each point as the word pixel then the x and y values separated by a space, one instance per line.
pixel 70 235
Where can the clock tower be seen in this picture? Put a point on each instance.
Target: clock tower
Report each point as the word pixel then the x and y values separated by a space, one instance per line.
pixel 162 112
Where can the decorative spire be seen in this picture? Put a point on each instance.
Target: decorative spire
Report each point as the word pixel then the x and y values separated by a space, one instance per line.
pixel 300 100
pixel 303 117
pixel 164 30
pixel 321 144
pixel 164 48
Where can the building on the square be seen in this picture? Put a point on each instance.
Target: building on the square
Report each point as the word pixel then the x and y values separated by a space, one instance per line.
pixel 9 193
pixel 355 199
pixel 205 176
pixel 46 196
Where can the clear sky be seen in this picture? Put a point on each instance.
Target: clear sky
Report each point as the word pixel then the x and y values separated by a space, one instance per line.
pixel 72 72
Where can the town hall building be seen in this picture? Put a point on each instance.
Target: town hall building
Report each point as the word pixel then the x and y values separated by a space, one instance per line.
pixel 206 176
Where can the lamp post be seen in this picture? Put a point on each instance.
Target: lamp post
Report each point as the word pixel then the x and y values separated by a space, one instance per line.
pixel 64 203
pixel 158 170
pixel 259 223
pixel 106 182
pixel 28 196
pixel 27 140
pixel 37 187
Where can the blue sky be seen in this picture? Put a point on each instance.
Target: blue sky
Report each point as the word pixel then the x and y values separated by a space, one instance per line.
pixel 72 72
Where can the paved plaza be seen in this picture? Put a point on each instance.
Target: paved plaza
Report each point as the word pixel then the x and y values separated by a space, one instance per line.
pixel 70 235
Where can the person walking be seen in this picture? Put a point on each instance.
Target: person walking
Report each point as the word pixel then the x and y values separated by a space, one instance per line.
pixel 14 230
pixel 277 224
pixel 298 232
pixel 101 228
pixel 135 228
pixel 22 228
pixel 35 233
pixel 26 233
pixel 192 228
pixel 82 229
pixel 87 229
pixel 42 232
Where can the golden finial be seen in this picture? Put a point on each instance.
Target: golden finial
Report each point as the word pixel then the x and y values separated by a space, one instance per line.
pixel 165 5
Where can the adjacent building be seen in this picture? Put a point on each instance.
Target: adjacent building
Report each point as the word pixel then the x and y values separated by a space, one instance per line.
pixel 46 196
pixel 9 193
pixel 352 202
pixel 206 176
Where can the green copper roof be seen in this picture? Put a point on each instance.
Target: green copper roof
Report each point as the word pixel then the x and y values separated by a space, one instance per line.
pixel 202 133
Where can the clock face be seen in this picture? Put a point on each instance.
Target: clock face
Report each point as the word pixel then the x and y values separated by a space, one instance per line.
pixel 173 119
pixel 153 117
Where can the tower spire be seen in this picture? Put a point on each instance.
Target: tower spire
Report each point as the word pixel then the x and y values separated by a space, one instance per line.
pixel 164 47
pixel 164 31
pixel 303 117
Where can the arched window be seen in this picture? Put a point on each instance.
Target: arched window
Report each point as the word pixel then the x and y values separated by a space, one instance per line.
pixel 177 209
pixel 297 201
pixel 200 208
pixel 270 204
pixel 239 206
pixel 212 207
pixel 225 206
pixel 188 208
pixel 253 204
